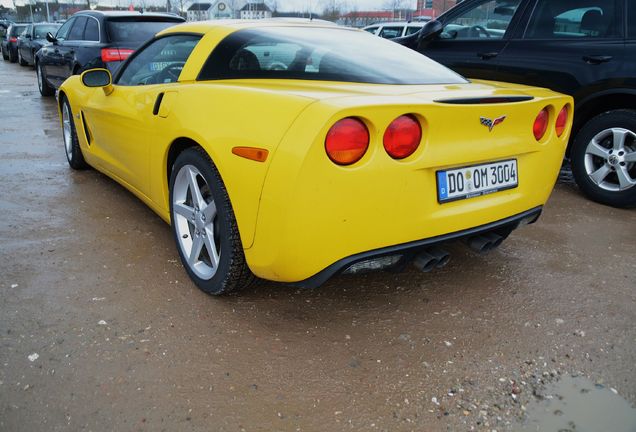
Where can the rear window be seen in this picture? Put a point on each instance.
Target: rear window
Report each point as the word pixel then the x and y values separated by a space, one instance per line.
pixel 135 30
pixel 16 30
pixel 42 30
pixel 319 54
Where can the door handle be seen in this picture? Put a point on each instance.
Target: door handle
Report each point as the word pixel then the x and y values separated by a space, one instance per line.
pixel 488 55
pixel 155 109
pixel 596 59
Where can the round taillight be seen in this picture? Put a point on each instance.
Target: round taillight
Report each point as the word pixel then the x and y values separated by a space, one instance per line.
pixel 561 121
pixel 541 124
pixel 347 141
pixel 402 137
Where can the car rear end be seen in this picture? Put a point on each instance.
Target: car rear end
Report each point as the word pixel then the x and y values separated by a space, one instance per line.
pixel 125 34
pixel 442 163
pixel 12 37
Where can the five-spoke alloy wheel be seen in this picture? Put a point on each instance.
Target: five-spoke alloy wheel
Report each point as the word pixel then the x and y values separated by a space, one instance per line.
pixel 204 226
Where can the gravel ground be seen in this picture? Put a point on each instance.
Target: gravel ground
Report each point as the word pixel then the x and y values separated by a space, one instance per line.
pixel 100 328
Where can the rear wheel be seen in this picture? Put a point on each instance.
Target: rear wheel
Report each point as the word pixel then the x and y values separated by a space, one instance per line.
pixel 13 56
pixel 71 143
pixel 43 85
pixel 604 158
pixel 204 226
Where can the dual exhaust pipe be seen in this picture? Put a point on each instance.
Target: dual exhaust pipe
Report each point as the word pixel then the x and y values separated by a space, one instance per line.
pixel 484 242
pixel 431 259
pixel 437 258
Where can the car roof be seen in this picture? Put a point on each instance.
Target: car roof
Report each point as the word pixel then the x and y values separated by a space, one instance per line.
pixel 116 14
pixel 398 23
pixel 233 25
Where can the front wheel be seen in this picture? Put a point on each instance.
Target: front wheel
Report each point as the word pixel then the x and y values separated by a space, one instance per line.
pixel 604 158
pixel 21 61
pixel 43 85
pixel 204 226
pixel 71 143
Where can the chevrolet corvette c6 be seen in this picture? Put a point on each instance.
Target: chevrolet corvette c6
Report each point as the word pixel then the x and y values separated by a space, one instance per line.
pixel 294 151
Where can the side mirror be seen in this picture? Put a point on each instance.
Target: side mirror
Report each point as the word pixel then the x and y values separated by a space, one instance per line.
pixel 50 37
pixel 98 78
pixel 430 31
pixel 27 36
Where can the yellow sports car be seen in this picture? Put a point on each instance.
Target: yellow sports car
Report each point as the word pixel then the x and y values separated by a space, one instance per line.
pixel 292 151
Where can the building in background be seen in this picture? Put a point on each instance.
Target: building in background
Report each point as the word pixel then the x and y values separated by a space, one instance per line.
pixel 365 18
pixel 199 12
pixel 432 8
pixel 256 10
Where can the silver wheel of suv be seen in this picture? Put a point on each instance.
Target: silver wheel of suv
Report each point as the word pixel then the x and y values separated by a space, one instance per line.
pixel 610 159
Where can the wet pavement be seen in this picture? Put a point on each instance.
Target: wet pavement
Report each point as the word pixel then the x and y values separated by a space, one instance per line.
pixel 100 328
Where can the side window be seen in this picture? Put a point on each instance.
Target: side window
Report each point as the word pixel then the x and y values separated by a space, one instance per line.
pixel 487 19
pixel 160 62
pixel 62 33
pixel 91 32
pixel 411 30
pixel 391 32
pixel 574 19
pixel 77 31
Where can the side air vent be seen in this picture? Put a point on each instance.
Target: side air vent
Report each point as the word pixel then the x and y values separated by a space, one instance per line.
pixel 485 100
pixel 87 132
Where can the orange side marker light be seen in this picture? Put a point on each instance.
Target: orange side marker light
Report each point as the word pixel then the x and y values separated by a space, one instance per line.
pixel 252 153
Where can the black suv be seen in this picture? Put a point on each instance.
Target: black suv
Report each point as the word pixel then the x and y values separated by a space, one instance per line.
pixel 585 48
pixel 95 39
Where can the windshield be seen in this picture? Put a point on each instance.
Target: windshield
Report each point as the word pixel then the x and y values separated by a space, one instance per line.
pixel 328 54
pixel 135 31
pixel 41 31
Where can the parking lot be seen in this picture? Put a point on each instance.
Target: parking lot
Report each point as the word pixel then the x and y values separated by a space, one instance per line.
pixel 101 328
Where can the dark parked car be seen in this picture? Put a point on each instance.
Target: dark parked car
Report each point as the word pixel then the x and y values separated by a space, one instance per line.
pixel 94 39
pixel 32 39
pixel 10 42
pixel 585 48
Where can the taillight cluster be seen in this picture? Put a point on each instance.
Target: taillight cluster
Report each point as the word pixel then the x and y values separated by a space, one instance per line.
pixel 348 139
pixel 115 54
pixel 540 125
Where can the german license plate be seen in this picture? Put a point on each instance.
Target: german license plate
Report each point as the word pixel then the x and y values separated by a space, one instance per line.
pixel 476 180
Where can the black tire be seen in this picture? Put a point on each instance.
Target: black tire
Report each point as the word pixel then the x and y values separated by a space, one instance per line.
pixel 600 127
pixel 45 88
pixel 13 56
pixel 21 60
pixel 72 148
pixel 232 273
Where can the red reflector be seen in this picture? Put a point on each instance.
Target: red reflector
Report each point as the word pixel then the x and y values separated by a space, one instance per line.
pixel 347 141
pixel 115 54
pixel 13 39
pixel 402 137
pixel 541 124
pixel 561 121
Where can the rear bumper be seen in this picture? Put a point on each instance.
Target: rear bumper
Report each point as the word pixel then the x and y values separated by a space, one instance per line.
pixel 410 249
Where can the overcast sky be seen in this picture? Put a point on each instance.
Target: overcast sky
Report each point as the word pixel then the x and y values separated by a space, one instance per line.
pixel 285 5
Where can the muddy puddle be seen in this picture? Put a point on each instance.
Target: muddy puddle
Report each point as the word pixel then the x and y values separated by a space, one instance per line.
pixel 575 404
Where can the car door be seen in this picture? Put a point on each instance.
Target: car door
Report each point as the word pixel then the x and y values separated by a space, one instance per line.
pixel 69 46
pixel 124 124
pixel 24 39
pixel 567 44
pixel 51 59
pixel 473 35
